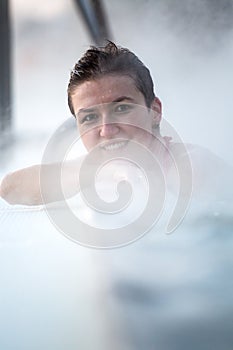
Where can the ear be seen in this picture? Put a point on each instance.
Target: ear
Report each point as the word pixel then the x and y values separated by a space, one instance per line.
pixel 156 108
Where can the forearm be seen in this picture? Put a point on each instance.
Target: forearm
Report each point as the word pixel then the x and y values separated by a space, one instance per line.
pixel 22 186
pixel 25 187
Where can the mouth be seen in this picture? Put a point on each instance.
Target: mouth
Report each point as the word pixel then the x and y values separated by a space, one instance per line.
pixel 113 146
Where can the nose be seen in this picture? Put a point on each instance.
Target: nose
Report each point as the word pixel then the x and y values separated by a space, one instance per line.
pixel 108 130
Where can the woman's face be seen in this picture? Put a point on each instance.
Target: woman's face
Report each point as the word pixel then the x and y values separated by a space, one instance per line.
pixel 111 111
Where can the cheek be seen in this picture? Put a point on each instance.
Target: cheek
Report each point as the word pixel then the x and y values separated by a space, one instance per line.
pixel 142 122
pixel 138 132
pixel 89 139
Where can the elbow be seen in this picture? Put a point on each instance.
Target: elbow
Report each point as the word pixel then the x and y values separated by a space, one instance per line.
pixel 7 189
pixel 22 187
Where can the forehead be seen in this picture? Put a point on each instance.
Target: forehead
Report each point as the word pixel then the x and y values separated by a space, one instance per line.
pixel 105 90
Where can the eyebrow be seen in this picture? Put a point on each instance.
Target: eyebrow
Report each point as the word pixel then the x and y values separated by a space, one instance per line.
pixel 93 109
pixel 123 98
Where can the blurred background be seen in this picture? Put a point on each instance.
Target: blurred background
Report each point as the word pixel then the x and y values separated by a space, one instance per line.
pixel 187 45
pixel 159 293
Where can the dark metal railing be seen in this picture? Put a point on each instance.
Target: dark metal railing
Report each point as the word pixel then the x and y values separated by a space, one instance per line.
pixel 5 72
pixel 96 21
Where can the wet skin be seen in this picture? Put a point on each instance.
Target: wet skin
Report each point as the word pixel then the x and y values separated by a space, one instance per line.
pixel 111 110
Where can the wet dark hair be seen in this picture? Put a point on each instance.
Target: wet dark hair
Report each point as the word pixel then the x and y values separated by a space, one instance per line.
pixel 111 59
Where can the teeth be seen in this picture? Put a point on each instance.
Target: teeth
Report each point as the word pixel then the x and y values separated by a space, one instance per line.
pixel 114 146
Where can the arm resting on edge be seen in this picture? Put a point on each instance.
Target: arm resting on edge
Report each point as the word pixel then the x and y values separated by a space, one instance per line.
pixel 23 186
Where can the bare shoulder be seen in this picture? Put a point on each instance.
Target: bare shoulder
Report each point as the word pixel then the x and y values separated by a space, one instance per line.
pixel 199 156
pixel 212 176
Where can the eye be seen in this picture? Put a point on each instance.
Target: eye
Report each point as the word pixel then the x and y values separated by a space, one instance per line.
pixel 89 118
pixel 123 108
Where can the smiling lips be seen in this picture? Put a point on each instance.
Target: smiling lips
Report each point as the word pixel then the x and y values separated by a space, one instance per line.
pixel 112 146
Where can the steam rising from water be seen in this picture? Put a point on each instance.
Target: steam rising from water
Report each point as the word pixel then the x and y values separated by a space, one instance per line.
pixel 189 48
pixel 188 45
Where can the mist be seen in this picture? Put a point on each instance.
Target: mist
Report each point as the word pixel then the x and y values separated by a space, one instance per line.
pixel 187 45
pixel 161 290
